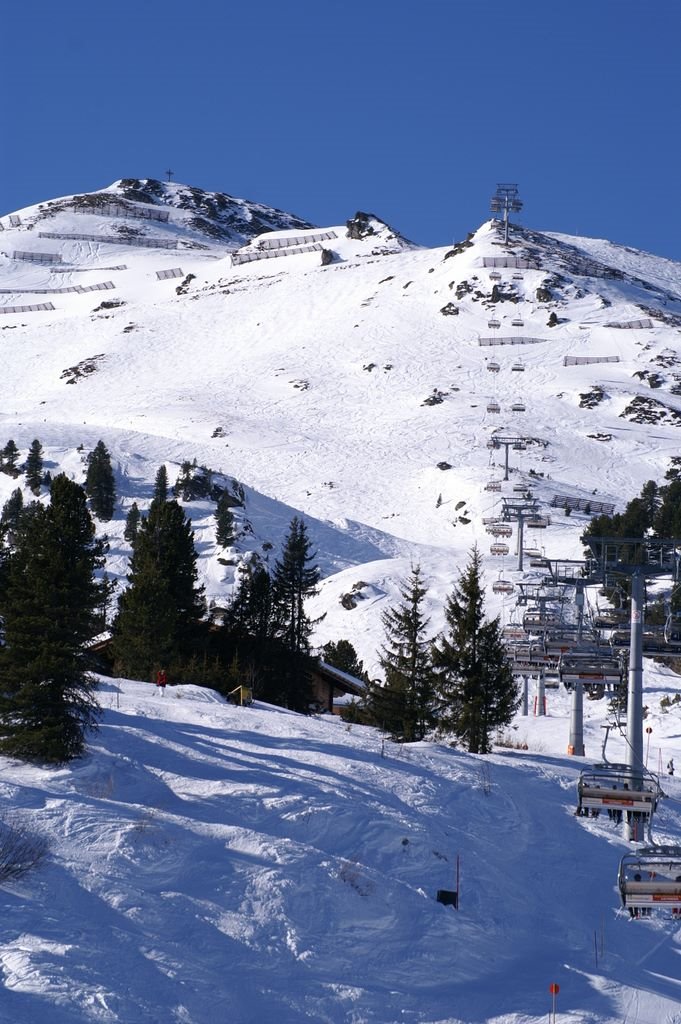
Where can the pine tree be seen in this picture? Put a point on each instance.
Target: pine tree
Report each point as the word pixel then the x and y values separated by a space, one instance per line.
pixel 403 704
pixel 10 455
pixel 475 683
pixel 159 612
pixel 99 482
pixel 183 484
pixel 161 484
pixel 294 579
pixel 132 522
pixel 49 599
pixel 342 655
pixel 34 466
pixel 251 612
pixel 11 513
pixel 224 521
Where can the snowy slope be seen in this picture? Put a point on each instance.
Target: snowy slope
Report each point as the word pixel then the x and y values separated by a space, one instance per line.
pixel 213 863
pixel 208 862
pixel 339 391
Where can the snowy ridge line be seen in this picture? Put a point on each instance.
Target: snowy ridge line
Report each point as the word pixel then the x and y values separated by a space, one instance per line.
pixel 146 243
pixel 267 254
pixel 287 242
pixel 116 210
pixel 511 341
pixel 86 270
pixel 631 325
pixel 105 286
pixel 26 309
pixel 587 360
pixel 37 257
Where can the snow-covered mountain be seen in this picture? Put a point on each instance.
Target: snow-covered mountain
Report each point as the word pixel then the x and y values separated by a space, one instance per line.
pixel 339 372
pixel 208 862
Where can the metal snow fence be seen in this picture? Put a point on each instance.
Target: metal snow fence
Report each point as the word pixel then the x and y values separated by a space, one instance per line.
pixel 509 261
pixel 14 220
pixel 165 275
pixel 588 505
pixel 86 270
pixel 141 241
pixel 586 360
pixel 266 254
pixel 26 309
pixel 37 257
pixel 286 242
pixel 115 210
pixel 511 341
pixel 631 325
pixel 105 286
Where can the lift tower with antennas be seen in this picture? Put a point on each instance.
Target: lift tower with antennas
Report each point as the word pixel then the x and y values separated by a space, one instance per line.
pixel 505 200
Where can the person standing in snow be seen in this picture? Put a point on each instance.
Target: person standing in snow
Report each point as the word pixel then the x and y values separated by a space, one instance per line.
pixel 670 766
pixel 161 681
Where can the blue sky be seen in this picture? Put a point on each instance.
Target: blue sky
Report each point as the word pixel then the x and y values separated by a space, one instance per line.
pixel 411 109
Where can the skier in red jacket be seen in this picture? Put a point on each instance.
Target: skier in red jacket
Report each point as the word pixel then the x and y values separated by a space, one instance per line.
pixel 161 680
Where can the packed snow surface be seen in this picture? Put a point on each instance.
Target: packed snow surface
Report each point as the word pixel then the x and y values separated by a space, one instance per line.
pixel 208 862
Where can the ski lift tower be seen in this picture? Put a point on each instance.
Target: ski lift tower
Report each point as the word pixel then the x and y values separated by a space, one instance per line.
pixel 505 200
pixel 636 558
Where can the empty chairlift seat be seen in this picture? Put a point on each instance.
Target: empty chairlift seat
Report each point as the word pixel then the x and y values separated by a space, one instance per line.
pixel 502 586
pixel 590 669
pixel 650 879
pixel 493 366
pixel 518 407
pixel 493 406
pixel 518 366
pixel 537 522
pixel 536 619
pixel 493 324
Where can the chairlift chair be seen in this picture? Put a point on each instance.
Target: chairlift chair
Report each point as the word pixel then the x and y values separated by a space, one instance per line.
pixel 517 322
pixel 498 548
pixel 493 407
pixel 616 787
pixel 518 366
pixel 537 522
pixel 520 488
pixel 493 323
pixel 650 879
pixel 502 586
pixel 590 669
pixel 493 366
pixel 495 275
pixel 517 277
pixel 518 407
pixel 500 530
pixel 512 631
pixel 519 446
